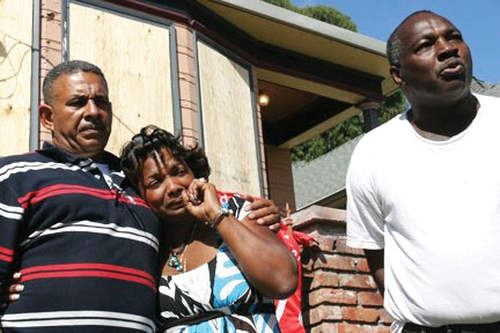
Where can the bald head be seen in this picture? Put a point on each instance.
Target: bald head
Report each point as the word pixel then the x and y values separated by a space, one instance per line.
pixel 395 44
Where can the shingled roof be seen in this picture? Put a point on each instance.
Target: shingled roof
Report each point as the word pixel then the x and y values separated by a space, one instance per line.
pixel 485 88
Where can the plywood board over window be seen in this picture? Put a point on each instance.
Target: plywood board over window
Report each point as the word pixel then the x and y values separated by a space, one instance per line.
pixel 228 118
pixel 135 58
pixel 15 75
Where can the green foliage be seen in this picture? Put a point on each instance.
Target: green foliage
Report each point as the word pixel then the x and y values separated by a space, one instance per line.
pixel 326 14
pixel 329 15
pixel 345 131
pixel 282 3
pixel 393 105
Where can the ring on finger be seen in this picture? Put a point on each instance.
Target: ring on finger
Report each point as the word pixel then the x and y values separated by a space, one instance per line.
pixel 193 199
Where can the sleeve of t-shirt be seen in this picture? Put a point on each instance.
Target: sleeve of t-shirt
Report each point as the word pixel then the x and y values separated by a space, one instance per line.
pixel 365 223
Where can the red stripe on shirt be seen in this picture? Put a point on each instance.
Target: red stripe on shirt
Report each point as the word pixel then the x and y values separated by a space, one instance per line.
pixel 89 273
pixel 62 189
pixel 86 266
pixel 6 258
pixel 6 251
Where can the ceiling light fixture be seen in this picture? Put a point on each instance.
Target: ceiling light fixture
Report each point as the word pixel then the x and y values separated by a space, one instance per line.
pixel 263 98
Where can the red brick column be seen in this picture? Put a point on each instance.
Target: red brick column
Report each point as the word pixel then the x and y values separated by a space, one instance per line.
pixel 187 84
pixel 340 295
pixel 50 45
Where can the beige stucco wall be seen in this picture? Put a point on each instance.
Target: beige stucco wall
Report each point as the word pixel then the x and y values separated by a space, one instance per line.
pixel 135 57
pixel 15 75
pixel 228 121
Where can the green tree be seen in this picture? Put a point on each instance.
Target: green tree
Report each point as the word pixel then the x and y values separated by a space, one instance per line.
pixel 345 131
pixel 330 15
pixel 283 3
pixel 326 14
pixel 353 127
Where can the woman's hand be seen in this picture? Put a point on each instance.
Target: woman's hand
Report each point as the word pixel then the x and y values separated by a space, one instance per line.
pixel 201 200
pixel 14 291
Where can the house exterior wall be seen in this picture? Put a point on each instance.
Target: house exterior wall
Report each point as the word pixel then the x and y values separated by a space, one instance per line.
pixel 135 57
pixel 228 120
pixel 15 75
pixel 279 174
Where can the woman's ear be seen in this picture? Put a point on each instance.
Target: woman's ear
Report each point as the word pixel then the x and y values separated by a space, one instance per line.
pixel 46 113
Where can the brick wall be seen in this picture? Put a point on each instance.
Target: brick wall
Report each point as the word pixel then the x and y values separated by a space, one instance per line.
pixel 187 84
pixel 340 295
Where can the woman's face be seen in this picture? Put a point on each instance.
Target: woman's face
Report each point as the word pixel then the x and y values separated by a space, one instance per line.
pixel 162 183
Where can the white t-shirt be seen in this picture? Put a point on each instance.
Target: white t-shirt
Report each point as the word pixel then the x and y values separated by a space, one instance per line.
pixel 435 208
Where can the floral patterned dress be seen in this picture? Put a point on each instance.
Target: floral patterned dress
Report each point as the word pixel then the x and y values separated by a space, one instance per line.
pixel 215 297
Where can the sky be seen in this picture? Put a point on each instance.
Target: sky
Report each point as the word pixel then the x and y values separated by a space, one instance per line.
pixel 478 20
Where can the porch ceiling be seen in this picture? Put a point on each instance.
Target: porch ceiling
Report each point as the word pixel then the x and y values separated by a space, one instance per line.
pixel 306 105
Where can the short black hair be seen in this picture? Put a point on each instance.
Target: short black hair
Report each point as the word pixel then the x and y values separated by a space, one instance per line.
pixel 394 46
pixel 149 142
pixel 68 67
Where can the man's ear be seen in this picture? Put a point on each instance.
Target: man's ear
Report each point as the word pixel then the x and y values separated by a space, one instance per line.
pixel 396 75
pixel 46 113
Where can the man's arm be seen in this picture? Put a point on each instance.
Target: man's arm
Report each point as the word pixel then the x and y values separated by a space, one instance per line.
pixel 376 262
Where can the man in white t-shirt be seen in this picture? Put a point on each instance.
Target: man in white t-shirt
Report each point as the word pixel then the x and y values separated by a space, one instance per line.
pixel 424 188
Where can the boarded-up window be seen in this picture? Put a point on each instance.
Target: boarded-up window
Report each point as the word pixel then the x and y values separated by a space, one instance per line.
pixel 228 121
pixel 15 75
pixel 135 58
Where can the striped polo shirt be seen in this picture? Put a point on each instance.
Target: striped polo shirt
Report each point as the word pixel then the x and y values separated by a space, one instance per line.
pixel 86 245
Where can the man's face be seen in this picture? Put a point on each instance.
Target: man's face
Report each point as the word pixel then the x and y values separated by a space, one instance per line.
pixel 79 115
pixel 435 64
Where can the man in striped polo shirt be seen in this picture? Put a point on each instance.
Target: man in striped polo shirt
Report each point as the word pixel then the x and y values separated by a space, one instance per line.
pixel 85 243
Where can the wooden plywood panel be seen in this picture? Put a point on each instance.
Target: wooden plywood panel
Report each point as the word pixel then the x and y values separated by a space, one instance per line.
pixel 228 122
pixel 15 75
pixel 135 58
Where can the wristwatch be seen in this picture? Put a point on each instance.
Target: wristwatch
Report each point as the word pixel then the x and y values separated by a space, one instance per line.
pixel 223 212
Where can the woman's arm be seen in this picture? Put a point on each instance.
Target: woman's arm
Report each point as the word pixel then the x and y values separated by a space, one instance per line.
pixel 264 259
pixel 266 262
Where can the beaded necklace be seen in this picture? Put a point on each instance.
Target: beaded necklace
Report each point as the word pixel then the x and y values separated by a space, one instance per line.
pixel 176 258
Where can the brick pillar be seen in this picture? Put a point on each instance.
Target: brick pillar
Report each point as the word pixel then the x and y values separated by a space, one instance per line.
pixel 187 84
pixel 50 45
pixel 340 294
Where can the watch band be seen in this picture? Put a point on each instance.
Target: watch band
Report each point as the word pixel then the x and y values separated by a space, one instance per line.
pixel 223 212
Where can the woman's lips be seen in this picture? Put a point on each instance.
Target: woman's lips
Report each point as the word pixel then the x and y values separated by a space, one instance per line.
pixel 176 204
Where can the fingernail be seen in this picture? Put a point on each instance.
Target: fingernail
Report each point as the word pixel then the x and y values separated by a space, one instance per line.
pixel 14 297
pixel 19 287
pixel 260 221
pixel 16 275
pixel 252 216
